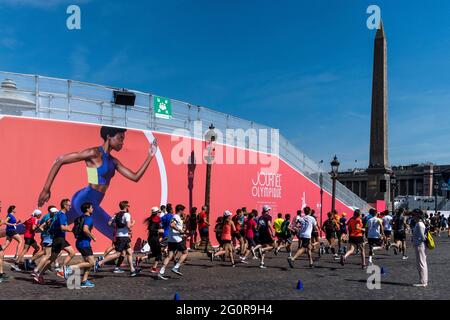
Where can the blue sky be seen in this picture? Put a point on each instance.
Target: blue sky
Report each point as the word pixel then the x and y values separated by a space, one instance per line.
pixel 304 67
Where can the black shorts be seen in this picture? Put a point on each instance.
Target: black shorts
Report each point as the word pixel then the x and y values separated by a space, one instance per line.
pixel 122 243
pixel 11 233
pixel 58 245
pixel 224 242
pixel 236 235
pixel 155 248
pixel 331 235
pixel 374 242
pixel 304 242
pixel 86 252
pixel 204 232
pixel 265 239
pixel 315 234
pixel 387 233
pixel 356 240
pixel 177 246
pixel 251 242
pixel 29 241
pixel 399 236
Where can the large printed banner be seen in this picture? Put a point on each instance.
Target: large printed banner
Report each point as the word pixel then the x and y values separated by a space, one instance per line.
pixel 29 148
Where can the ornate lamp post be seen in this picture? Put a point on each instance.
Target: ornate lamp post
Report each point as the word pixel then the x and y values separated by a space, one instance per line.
pixel 436 188
pixel 334 173
pixel 393 187
pixel 210 141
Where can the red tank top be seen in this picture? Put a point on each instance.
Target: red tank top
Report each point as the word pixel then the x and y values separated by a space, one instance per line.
pixel 226 231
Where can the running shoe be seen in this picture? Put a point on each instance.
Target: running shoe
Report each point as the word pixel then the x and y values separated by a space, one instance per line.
pixel 60 274
pixel 118 270
pixel 423 285
pixel 311 265
pixel 291 262
pixel 404 257
pixel 39 279
pixel 135 272
pixel 87 284
pixel 58 269
pixel 244 261
pixel 161 276
pixel 96 266
pixel 262 266
pixel 177 271
pixel 15 267
pixel 154 270
pixel 336 256
pixel 67 272
pixel 3 277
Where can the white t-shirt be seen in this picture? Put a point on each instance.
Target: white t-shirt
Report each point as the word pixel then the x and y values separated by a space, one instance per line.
pixel 373 226
pixel 387 223
pixel 123 232
pixel 174 235
pixel 306 226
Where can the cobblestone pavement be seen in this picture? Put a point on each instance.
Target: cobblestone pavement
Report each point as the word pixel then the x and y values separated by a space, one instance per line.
pixel 205 280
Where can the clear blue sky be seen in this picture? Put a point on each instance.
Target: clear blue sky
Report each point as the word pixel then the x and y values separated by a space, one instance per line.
pixel 304 67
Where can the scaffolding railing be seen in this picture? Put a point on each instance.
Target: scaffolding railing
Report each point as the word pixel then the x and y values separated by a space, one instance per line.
pixel 78 101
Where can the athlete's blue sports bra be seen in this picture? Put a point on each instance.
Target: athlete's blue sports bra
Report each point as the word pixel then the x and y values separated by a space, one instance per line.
pixel 103 174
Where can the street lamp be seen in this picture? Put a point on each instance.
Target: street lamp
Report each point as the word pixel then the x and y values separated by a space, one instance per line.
pixel 393 187
pixel 210 142
pixel 334 173
pixel 436 188
pixel 321 196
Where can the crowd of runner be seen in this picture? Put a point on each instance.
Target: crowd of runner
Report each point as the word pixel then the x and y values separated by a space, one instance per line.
pixel 173 232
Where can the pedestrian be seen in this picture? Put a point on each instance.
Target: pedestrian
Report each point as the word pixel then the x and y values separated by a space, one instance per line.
pixel 30 229
pixel 11 234
pixel 307 224
pixel 356 238
pixel 123 222
pixel 399 227
pixel 203 228
pixel 228 228
pixel 176 243
pixel 192 228
pixel 82 230
pixel 374 233
pixel 418 238
pixel 154 228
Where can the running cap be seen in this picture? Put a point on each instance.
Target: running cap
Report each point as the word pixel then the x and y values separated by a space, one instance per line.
pixel 54 210
pixel 266 208
pixel 227 213
pixel 36 212
pixel 155 210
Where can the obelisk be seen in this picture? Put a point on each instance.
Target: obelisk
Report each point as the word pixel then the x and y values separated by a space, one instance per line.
pixel 378 186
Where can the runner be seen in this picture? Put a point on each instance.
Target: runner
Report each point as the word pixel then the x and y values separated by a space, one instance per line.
pixel 387 226
pixel 343 231
pixel 83 233
pixel 249 229
pixel 192 228
pixel 306 225
pixel 58 229
pixel 166 220
pixel 30 229
pixel 228 228
pixel 3 276
pixel 315 240
pixel 277 227
pixel 176 243
pixel 155 230
pixel 330 228
pixel 11 234
pixel 399 227
pixel 266 234
pixel 286 235
pixel 356 238
pixel 203 228
pixel 46 239
pixel 374 232
pixel 123 222
pixel 236 236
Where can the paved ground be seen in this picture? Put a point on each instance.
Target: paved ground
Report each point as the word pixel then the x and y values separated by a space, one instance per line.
pixel 205 280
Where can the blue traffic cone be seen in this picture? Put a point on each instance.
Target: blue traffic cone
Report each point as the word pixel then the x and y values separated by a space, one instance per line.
pixel 300 285
pixel 383 271
pixel 176 297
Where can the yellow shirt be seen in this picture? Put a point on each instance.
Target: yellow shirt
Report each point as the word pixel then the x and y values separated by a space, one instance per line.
pixel 277 224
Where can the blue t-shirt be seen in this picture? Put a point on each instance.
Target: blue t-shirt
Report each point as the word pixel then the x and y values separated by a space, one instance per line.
pixel 165 221
pixel 44 219
pixel 84 241
pixel 60 220
pixel 12 219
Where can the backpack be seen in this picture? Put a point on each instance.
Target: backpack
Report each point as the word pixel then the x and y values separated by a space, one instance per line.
pixel 78 225
pixel 118 220
pixel 429 241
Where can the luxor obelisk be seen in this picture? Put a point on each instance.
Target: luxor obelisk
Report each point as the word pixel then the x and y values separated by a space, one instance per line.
pixel 378 187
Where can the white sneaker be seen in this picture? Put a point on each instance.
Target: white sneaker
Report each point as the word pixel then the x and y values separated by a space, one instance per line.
pixel 420 285
pixel 404 257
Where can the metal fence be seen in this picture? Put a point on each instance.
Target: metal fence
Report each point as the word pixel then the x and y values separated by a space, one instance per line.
pixel 84 102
